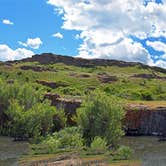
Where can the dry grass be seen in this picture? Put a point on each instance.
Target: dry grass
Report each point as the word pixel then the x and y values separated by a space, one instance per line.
pixel 148 104
pixel 126 163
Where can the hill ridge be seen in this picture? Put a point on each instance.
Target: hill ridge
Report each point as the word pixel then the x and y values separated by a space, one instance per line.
pixel 50 58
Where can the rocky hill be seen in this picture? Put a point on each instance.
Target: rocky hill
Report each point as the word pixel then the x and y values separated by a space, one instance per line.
pixel 49 58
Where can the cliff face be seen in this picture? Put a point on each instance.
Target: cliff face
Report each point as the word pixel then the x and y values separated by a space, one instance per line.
pixel 139 119
pixel 145 121
pixel 68 105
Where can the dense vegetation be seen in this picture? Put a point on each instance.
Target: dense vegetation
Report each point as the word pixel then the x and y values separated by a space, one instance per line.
pixel 25 113
pixel 101 116
pixel 27 116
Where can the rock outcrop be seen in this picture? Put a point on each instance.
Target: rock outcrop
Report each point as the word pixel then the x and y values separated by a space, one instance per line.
pixel 52 85
pixel 69 105
pixel 105 78
pixel 141 120
pixel 148 76
pixel 37 68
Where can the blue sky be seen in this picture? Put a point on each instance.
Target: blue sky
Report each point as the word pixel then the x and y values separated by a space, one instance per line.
pixel 124 30
pixel 35 18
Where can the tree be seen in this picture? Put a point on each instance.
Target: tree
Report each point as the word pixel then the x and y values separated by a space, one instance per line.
pixel 100 115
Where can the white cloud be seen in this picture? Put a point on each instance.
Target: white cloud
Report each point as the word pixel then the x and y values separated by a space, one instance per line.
pixel 7 53
pixel 125 50
pixel 157 45
pixel 32 43
pixel 77 36
pixel 106 26
pixel 161 63
pixel 7 22
pixel 58 35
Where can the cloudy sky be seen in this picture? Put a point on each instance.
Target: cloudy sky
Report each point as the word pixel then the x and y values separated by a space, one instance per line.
pixel 129 30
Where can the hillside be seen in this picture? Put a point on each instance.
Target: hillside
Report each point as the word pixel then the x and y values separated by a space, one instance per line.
pixel 68 76
pixel 119 97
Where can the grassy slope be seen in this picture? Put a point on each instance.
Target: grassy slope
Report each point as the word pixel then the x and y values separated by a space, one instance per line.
pixel 127 87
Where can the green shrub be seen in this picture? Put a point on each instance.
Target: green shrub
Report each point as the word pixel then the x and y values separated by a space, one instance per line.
pixel 147 95
pixel 70 91
pixel 99 144
pixel 124 153
pixel 35 122
pixel 100 115
pixel 66 139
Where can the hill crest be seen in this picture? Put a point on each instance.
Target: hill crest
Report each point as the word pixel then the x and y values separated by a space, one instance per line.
pixel 49 58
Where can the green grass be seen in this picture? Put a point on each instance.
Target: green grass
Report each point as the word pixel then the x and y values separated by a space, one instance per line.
pixel 126 87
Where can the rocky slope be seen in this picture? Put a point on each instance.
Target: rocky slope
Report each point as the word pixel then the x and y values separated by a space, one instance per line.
pixel 49 58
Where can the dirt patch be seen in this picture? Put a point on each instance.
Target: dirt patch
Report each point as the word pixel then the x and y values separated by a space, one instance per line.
pixel 64 160
pixel 79 75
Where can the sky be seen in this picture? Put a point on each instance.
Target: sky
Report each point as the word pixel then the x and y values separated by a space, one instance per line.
pixel 129 30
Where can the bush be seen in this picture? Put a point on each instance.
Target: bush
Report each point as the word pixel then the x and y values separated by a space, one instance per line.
pixel 70 91
pixel 147 96
pixel 100 115
pixel 124 153
pixel 64 140
pixel 99 144
pixel 35 122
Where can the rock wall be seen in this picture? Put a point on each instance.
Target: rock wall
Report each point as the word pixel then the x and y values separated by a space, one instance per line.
pixel 144 121
pixel 69 105
pixel 139 120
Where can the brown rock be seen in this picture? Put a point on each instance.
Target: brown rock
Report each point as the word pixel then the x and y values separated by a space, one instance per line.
pixel 148 76
pixel 69 105
pixel 105 78
pixel 52 85
pixel 10 81
pixel 142 120
pixel 37 68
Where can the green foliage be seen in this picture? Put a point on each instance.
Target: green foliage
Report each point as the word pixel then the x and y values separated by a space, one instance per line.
pixel 65 139
pixel 32 123
pixel 146 95
pixel 28 117
pixel 71 91
pixel 100 115
pixel 99 144
pixel 124 153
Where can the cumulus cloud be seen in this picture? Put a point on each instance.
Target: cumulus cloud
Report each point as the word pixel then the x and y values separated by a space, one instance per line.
pixel 7 53
pixel 106 26
pixel 58 35
pixel 157 45
pixel 161 63
pixel 32 43
pixel 7 22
